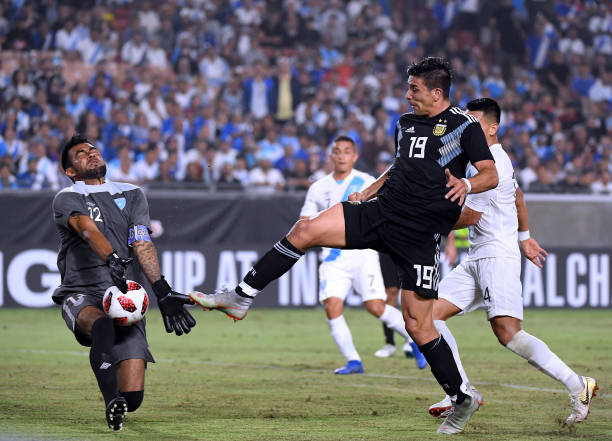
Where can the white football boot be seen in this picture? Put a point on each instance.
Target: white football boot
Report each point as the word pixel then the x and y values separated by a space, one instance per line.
pixel 386 351
pixel 224 300
pixel 460 414
pixel 442 408
pixel 580 402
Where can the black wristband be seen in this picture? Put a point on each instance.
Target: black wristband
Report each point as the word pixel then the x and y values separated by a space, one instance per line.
pixel 111 256
pixel 161 287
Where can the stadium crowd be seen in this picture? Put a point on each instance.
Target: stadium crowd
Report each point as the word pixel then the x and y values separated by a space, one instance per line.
pixel 248 94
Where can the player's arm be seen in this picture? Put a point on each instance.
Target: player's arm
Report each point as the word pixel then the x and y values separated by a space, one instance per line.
pixel 87 229
pixel 531 248
pixel 468 218
pixel 450 249
pixel 486 179
pixel 171 303
pixel 371 190
pixel 479 154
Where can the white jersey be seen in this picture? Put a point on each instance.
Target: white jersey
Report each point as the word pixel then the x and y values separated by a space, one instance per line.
pixel 496 233
pixel 326 192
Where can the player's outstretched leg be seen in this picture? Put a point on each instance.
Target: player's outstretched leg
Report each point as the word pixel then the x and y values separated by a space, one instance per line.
pixel 235 303
pixel 224 300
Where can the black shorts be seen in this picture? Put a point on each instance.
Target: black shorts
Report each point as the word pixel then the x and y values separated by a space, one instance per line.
pixel 389 271
pixel 416 253
pixel 130 341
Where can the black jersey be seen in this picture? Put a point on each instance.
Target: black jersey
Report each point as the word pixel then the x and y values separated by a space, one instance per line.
pixel 413 193
pixel 114 207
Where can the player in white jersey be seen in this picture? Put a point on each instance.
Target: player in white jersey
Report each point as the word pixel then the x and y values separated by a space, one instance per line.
pixel 342 270
pixel 490 276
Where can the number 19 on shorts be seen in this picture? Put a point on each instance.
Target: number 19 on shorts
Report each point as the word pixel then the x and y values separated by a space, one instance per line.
pixel 426 277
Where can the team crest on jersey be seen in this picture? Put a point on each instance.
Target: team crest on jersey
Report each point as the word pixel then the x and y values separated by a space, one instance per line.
pixel 439 129
pixel 120 202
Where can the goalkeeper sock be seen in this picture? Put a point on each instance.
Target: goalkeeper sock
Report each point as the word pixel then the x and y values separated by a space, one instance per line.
pixel 271 266
pixel 440 358
pixel 537 353
pixel 101 357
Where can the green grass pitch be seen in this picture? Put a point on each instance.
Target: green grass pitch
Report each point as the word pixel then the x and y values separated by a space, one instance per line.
pixel 270 377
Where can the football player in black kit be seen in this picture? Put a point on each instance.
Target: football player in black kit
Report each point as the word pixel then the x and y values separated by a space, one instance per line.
pixel 101 224
pixel 403 213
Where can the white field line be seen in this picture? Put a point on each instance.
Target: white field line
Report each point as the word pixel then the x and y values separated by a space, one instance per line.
pixel 263 366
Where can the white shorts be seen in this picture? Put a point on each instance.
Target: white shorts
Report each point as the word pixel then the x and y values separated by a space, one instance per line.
pixel 359 269
pixel 493 284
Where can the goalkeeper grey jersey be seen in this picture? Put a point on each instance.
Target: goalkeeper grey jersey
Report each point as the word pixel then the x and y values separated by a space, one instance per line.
pixel 115 207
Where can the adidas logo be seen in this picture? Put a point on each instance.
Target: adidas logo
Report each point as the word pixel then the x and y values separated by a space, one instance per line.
pixel 105 365
pixel 409 130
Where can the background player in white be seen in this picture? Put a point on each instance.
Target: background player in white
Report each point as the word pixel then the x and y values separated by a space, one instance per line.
pixel 342 269
pixel 490 276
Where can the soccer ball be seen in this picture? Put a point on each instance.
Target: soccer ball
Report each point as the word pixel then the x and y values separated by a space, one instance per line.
pixel 126 309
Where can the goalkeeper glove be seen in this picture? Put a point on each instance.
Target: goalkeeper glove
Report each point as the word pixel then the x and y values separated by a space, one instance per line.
pixel 117 266
pixel 172 307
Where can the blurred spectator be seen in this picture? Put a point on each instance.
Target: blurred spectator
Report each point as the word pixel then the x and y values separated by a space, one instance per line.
pixel 7 179
pixel 264 178
pixel 603 185
pixel 214 68
pixel 147 168
pixel 123 172
pixel 31 178
pixel 298 177
pixel 258 92
pixel 134 51
pixel 227 179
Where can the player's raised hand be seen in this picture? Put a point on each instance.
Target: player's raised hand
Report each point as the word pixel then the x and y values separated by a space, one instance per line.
pixel 172 307
pixel 458 188
pixel 533 251
pixel 117 266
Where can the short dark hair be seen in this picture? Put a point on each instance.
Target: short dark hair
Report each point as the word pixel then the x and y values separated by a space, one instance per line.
pixel 487 106
pixel 435 72
pixel 76 139
pixel 346 139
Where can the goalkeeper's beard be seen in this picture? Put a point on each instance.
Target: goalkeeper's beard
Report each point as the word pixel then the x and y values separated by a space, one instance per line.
pixel 95 173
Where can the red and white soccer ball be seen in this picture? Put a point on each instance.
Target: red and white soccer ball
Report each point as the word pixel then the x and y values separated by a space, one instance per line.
pixel 126 309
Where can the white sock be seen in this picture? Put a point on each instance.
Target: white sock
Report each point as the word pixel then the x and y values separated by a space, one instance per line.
pixel 537 353
pixel 248 290
pixel 450 339
pixel 341 334
pixel 394 320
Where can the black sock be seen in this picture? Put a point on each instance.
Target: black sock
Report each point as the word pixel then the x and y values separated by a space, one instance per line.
pixel 389 335
pixel 442 363
pixel 272 265
pixel 101 357
pixel 133 399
